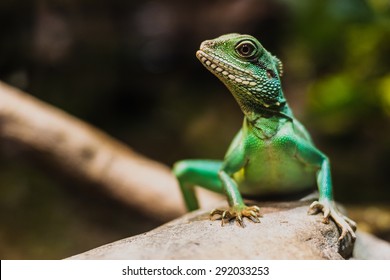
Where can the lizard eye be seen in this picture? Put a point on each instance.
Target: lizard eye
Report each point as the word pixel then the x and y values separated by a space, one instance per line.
pixel 246 49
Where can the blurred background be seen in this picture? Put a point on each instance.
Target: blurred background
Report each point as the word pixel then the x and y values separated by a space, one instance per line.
pixel 129 68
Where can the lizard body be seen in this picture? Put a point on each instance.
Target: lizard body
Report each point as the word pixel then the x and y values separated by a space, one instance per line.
pixel 272 153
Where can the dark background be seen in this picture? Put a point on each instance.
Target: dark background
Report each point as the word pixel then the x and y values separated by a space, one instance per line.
pixel 129 68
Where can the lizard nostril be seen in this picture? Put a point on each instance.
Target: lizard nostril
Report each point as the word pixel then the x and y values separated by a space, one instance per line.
pixel 207 44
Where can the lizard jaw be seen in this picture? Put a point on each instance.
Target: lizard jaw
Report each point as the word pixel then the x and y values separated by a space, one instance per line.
pixel 220 68
pixel 229 74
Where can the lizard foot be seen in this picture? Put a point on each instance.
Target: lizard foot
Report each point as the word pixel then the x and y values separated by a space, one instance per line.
pixel 345 224
pixel 238 213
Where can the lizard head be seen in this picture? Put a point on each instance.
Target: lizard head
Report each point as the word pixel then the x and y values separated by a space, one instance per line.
pixel 249 71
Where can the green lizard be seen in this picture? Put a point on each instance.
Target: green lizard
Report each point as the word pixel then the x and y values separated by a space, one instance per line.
pixel 272 153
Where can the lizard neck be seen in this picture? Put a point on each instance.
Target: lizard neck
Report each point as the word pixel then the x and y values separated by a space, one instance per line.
pixel 254 112
pixel 266 124
pixel 261 104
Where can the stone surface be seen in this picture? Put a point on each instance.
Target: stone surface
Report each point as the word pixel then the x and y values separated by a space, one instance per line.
pixel 286 232
pixel 369 247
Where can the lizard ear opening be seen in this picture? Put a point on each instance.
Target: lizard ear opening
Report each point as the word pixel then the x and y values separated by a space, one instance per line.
pixel 279 65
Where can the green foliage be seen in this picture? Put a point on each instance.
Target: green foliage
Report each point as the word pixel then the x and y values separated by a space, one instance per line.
pixel 349 43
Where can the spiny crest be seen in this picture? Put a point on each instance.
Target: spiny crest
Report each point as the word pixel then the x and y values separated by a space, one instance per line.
pixel 278 65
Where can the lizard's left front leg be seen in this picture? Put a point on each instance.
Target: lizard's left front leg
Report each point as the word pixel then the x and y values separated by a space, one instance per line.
pixel 310 155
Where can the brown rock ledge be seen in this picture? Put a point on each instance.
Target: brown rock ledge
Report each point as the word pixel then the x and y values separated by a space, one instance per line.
pixel 286 232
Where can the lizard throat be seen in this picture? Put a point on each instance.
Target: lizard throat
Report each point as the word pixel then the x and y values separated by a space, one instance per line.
pixel 243 81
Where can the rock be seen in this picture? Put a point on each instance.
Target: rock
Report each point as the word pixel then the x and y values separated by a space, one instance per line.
pixel 369 247
pixel 286 232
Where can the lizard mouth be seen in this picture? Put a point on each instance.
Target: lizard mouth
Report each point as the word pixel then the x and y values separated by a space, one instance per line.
pixel 227 72
pixel 224 70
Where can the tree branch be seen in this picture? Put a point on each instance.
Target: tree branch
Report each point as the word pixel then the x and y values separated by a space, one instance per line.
pixel 86 153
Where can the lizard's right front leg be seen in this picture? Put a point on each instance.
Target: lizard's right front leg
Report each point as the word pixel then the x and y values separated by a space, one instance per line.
pixel 238 209
pixel 211 175
pixel 191 173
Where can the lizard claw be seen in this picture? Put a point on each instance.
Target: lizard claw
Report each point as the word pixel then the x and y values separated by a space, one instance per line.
pixel 345 224
pixel 238 213
pixel 351 223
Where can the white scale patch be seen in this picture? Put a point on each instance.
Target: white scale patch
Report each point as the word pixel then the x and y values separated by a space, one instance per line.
pixel 219 67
